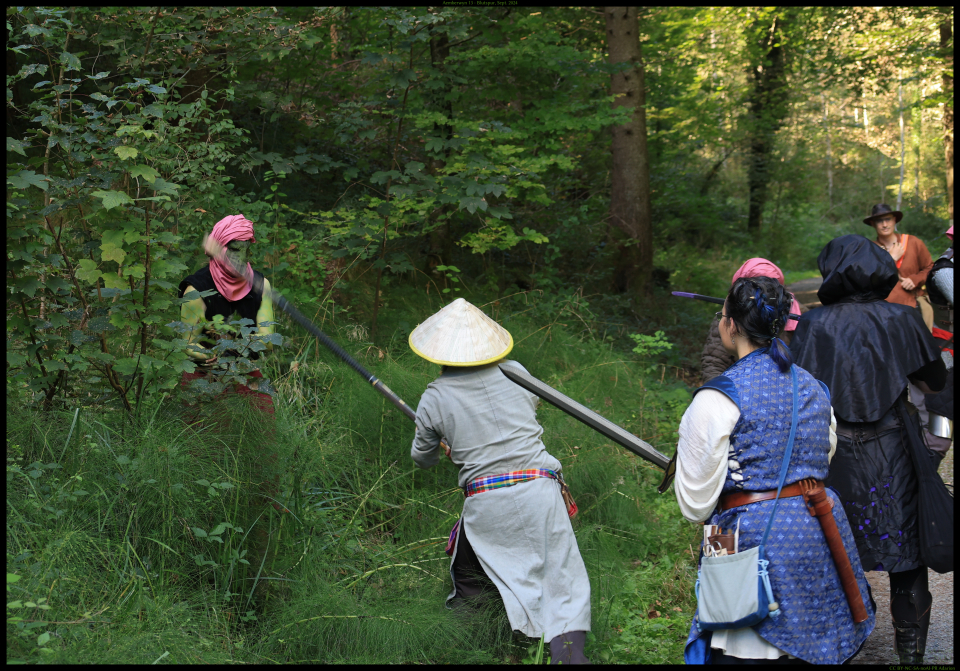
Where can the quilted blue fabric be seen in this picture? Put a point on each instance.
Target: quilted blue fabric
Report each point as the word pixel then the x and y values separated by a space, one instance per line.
pixel 815 623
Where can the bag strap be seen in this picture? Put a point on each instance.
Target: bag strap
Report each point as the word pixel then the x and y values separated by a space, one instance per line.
pixel 786 455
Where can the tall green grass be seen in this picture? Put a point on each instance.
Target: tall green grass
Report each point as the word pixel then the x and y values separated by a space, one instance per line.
pixel 158 541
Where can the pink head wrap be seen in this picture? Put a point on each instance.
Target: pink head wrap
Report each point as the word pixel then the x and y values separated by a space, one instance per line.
pixel 950 232
pixel 234 227
pixel 762 268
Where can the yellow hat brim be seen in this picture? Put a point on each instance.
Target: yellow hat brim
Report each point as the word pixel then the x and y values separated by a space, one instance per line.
pixel 460 363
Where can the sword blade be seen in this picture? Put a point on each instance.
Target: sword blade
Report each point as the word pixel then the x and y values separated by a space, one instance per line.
pixel 596 422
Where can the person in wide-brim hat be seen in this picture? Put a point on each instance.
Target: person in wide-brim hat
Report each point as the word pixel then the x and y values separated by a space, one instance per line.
pixel 882 210
pixel 514 538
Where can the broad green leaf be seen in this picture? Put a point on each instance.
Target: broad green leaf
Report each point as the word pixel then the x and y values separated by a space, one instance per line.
pixel 160 185
pixel 15 145
pixel 434 144
pixel 27 285
pixel 69 61
pixel 126 365
pixel 198 532
pixel 160 268
pixel 14 360
pixel 136 270
pixel 126 152
pixel 110 252
pixel 471 203
pixel 114 237
pixel 44 638
pixel 33 68
pixel 27 178
pixel 114 281
pixel 144 171
pixel 113 199
pixel 153 110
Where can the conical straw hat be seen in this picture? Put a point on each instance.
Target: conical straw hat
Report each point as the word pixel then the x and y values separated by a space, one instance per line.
pixel 461 335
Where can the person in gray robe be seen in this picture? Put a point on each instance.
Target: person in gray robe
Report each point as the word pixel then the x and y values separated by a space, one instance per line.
pixel 514 533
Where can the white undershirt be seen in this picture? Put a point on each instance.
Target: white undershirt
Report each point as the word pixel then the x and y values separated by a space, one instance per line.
pixel 703 459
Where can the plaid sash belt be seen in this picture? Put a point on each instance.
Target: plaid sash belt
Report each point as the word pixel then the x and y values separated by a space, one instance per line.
pixel 490 482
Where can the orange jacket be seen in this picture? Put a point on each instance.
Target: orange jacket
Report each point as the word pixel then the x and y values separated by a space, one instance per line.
pixel 915 263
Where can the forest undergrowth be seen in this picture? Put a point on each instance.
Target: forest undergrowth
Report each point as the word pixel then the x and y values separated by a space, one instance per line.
pixel 312 537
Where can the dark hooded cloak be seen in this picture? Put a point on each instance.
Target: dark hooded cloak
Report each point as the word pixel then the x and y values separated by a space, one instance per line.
pixel 860 346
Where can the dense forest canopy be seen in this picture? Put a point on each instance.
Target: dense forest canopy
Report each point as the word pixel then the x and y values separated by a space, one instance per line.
pixel 570 164
pixel 384 145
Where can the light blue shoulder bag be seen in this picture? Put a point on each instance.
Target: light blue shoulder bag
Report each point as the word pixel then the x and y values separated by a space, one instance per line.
pixel 734 591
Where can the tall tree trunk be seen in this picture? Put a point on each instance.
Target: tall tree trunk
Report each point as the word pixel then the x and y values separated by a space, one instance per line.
pixel 768 109
pixel 440 239
pixel 826 129
pixel 630 213
pixel 947 50
pixel 917 135
pixel 903 147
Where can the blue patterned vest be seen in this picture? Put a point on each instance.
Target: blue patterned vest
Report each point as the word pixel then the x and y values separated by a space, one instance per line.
pixel 765 398
pixel 815 622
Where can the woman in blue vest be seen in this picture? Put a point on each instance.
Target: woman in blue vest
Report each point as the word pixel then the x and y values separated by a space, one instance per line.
pixel 732 442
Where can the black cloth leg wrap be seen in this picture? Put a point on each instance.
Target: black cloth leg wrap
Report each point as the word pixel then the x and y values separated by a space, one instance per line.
pixel 910 604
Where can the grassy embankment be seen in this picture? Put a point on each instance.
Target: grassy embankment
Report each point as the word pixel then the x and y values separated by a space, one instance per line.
pixel 157 541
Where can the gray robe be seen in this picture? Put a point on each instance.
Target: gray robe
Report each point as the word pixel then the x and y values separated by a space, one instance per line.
pixel 521 534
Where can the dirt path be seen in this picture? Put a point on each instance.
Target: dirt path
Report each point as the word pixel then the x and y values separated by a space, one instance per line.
pixel 879 648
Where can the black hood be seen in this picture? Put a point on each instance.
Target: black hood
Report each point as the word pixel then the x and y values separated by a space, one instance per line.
pixel 855 269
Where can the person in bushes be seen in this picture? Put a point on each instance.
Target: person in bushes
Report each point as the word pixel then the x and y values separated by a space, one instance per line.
pixel 715 359
pixel 514 536
pixel 866 349
pixel 234 299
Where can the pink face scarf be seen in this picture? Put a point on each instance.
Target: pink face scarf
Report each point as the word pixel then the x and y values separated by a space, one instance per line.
pixel 763 268
pixel 234 227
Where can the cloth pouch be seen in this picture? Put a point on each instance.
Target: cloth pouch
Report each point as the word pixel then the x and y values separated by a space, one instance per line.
pixel 734 591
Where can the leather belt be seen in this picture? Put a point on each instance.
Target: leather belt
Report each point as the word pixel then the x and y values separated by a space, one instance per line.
pixel 745 498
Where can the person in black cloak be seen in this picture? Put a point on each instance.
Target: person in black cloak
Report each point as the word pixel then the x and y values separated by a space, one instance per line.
pixel 866 350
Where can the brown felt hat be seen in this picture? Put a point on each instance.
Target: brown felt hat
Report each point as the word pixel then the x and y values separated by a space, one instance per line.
pixel 882 210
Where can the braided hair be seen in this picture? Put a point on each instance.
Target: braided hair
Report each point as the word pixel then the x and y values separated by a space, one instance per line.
pixel 759 307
